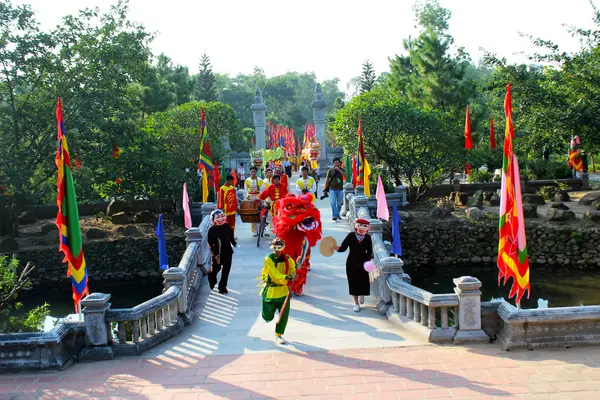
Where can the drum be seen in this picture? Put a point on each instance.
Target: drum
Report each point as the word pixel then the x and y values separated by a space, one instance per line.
pixel 249 211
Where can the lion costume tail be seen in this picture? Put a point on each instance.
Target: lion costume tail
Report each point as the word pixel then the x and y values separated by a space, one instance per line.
pixel 297 284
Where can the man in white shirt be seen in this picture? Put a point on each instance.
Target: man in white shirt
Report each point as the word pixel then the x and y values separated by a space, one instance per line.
pixel 241 175
pixel 306 184
pixel 254 187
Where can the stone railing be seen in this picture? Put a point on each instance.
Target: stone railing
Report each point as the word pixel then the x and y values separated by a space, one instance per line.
pixel 130 331
pixel 545 327
pixel 56 349
pixel 439 317
pixel 348 210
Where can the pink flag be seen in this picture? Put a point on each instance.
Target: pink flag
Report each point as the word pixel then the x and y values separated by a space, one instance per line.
pixel 382 208
pixel 187 216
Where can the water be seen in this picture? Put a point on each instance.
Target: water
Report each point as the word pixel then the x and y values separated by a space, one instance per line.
pixel 124 294
pixel 561 288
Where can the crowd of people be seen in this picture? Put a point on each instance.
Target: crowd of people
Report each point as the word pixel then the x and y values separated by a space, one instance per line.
pixel 279 269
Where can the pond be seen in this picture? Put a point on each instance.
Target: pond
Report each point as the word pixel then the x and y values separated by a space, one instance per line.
pixel 560 287
pixel 124 294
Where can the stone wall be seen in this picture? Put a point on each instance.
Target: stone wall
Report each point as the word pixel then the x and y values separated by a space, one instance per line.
pixel 459 241
pixel 106 260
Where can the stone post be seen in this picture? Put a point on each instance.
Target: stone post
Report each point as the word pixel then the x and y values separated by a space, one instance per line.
pixel 318 106
pixel 98 336
pixel 195 235
pixel 359 191
pixel 585 181
pixel 403 191
pixel 208 208
pixel 469 310
pixel 259 110
pixel 348 188
pixel 175 276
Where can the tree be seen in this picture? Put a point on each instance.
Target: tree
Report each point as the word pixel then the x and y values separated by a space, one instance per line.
pixel 91 61
pixel 420 146
pixel 368 77
pixel 155 163
pixel 205 83
pixel 430 76
pixel 13 280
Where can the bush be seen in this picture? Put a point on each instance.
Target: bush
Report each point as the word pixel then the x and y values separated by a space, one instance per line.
pixel 548 192
pixel 13 279
pixel 480 176
pixel 376 171
pixel 546 169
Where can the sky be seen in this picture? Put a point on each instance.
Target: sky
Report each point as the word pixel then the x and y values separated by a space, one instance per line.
pixel 329 37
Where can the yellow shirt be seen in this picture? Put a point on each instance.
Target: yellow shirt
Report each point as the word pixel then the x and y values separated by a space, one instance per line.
pixel 253 187
pixel 274 277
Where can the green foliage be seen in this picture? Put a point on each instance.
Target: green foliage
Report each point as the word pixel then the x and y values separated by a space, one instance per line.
pixel 548 192
pixel 368 77
pixel 380 170
pixel 480 176
pixel 554 168
pixel 205 83
pixel 429 76
pixel 90 60
pixel 419 145
pixel 13 280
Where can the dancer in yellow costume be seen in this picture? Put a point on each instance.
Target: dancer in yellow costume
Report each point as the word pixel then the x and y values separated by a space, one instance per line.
pixel 278 270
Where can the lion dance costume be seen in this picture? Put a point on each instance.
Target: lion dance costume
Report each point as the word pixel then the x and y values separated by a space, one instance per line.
pixel 297 220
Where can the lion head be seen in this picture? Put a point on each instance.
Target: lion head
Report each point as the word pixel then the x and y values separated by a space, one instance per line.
pixel 297 218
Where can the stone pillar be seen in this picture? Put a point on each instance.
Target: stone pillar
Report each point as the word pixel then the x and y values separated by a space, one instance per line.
pixel 98 336
pixel 359 191
pixel 195 235
pixel 318 106
pixel 585 181
pixel 403 191
pixel 469 310
pixel 207 209
pixel 259 110
pixel 348 188
pixel 175 276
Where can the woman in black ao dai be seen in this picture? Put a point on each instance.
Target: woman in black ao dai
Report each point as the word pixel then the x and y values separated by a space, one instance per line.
pixel 361 250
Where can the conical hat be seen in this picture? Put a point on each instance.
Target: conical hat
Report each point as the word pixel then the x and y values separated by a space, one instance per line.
pixel 327 246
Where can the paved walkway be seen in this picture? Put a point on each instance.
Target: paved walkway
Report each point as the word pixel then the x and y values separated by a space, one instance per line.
pixel 229 352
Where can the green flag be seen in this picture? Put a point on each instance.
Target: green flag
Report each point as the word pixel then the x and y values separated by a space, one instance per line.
pixel 348 168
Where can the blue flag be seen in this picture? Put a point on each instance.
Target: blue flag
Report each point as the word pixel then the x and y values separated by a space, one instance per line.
pixel 396 245
pixel 163 260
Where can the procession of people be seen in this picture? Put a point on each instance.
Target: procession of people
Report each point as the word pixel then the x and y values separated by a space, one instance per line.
pixel 280 271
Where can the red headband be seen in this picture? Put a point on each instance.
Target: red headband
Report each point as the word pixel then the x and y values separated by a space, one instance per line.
pixel 362 221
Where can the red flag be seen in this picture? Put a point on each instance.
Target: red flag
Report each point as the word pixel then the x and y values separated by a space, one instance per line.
pixel 332 140
pixel 468 135
pixel 234 174
pixel 513 260
pixel 354 172
pixel 116 151
pixel 252 140
pixel 492 134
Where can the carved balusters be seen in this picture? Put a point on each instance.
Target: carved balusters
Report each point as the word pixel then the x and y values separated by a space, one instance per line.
pixel 122 335
pixel 423 315
pixel 409 307
pixel 431 324
pixel 444 317
pixel 402 305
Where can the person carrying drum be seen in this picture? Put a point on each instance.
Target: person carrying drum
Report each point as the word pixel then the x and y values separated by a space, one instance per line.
pixel 228 201
pixel 254 186
pixel 306 184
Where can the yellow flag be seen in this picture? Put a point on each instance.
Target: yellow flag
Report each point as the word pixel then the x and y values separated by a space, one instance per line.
pixel 204 185
pixel 367 176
